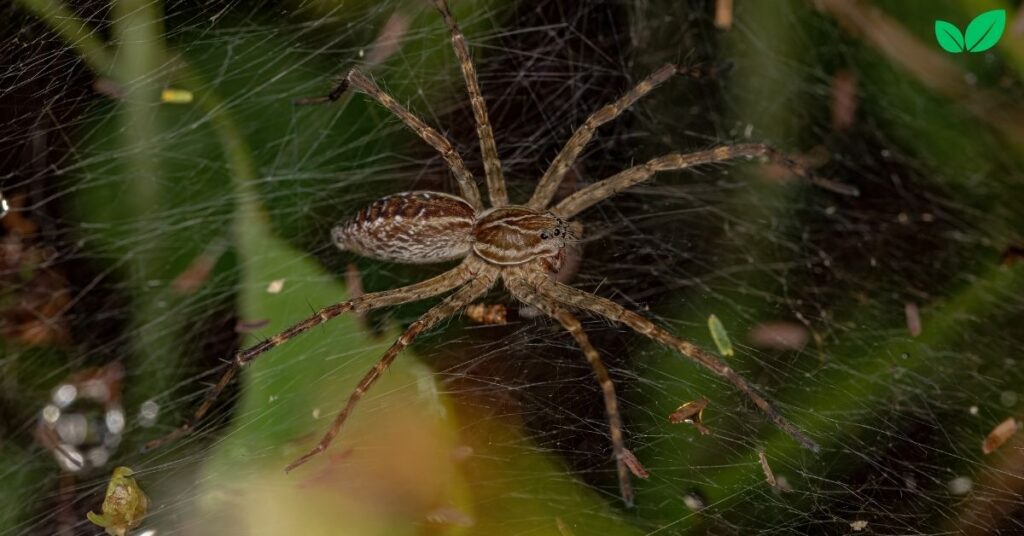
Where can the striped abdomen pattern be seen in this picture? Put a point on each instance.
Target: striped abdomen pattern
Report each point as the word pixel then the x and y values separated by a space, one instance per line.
pixel 410 227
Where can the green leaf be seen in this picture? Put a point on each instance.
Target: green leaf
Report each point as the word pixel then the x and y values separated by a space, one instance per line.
pixel 985 30
pixel 720 336
pixel 97 519
pixel 949 37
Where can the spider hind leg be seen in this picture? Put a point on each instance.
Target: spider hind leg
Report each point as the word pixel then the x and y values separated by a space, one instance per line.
pixel 451 305
pixel 523 291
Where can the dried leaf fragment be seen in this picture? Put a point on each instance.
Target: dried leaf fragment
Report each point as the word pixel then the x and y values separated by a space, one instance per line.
pixel 844 99
pixel 720 336
pixel 1014 252
pixel 691 413
pixel 723 14
pixel 124 506
pixel 999 435
pixel 769 476
pixel 482 313
pixel 913 315
pixel 780 335
pixel 634 464
pixel 198 271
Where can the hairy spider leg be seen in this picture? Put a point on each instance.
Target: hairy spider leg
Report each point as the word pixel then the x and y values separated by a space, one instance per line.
pixel 356 79
pixel 417 291
pixel 451 305
pixel 616 313
pixel 488 149
pixel 524 292
pixel 599 191
pixel 548 184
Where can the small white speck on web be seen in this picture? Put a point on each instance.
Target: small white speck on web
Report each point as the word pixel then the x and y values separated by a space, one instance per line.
pixel 749 131
pixel 859 525
pixel 960 485
pixel 973 410
pixel 316 413
pixel 275 286
pixel 693 502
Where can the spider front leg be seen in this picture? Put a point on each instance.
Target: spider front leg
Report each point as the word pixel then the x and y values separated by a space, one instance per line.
pixel 417 291
pixel 548 184
pixel 522 291
pixel 358 80
pixel 451 305
pixel 599 191
pixel 619 314
pixel 488 148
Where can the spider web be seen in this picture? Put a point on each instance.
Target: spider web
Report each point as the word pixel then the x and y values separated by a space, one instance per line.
pixel 161 235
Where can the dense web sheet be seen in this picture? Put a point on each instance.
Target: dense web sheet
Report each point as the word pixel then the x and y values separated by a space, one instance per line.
pixel 170 204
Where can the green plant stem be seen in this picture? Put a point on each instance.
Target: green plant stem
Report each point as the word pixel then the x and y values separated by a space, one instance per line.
pixel 74 31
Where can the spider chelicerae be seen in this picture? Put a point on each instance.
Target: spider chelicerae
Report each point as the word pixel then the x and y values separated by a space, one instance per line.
pixel 523 246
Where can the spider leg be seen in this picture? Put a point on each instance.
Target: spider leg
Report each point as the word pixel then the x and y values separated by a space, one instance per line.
pixel 451 305
pixel 599 191
pixel 567 157
pixel 492 164
pixel 358 80
pixel 522 291
pixel 417 291
pixel 617 313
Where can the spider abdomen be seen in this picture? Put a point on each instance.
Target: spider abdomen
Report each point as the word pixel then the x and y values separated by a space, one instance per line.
pixel 410 227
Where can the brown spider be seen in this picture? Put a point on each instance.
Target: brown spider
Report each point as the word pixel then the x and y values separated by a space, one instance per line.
pixel 522 245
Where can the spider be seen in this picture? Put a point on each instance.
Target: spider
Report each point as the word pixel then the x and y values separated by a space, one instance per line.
pixel 523 246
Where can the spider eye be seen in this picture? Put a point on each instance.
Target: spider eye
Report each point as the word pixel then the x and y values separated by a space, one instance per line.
pixel 558 232
pixel 543 236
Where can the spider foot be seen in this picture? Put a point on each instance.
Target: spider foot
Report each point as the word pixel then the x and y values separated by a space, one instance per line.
pixel 334 95
pixel 305 457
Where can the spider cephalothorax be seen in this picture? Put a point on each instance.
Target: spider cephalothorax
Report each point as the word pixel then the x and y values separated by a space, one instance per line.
pixel 521 245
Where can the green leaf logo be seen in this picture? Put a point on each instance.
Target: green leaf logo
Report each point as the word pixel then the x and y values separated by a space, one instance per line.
pixel 982 33
pixel 949 36
pixel 985 30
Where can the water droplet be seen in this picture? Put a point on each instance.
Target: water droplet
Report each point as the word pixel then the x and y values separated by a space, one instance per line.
pixel 4 206
pixel 69 458
pixel 73 428
pixel 960 485
pixel 51 413
pixel 148 412
pixel 114 420
pixel 65 394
